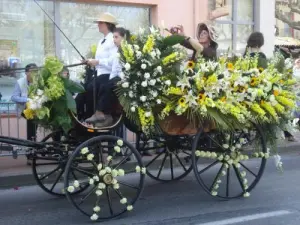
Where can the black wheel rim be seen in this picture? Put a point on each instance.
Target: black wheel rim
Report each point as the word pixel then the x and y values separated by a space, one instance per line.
pixel 108 189
pixel 229 178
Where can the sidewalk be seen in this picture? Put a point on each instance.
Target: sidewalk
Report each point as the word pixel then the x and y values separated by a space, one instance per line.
pixel 15 172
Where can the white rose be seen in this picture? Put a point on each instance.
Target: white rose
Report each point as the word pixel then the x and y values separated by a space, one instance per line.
pixel 168 82
pixel 159 69
pixel 90 157
pixel 121 172
pixel 130 94
pixel 127 66
pixel 71 189
pixel 132 109
pixel 84 151
pixel 154 93
pixel 99 192
pixel 120 142
pixel 96 209
pixel 94 217
pixel 129 207
pixel 153 54
pixel 144 84
pixel 125 85
pixel 76 183
pixel 136 47
pixel 143 66
pixel 158 101
pixel 40 92
pixel 147 75
pixel 138 54
pixel 152 82
pixel 123 201
pixel 143 98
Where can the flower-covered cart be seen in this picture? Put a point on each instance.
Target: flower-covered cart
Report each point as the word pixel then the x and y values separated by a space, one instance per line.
pixel 219 119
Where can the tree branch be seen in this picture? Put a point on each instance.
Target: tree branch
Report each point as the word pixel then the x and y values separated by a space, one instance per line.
pixel 281 16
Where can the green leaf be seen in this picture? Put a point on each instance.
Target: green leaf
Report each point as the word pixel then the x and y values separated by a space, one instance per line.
pixel 71 104
pixel 173 40
pixel 73 86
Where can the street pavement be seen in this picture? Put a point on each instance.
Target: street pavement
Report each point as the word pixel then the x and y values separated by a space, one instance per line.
pixel 275 201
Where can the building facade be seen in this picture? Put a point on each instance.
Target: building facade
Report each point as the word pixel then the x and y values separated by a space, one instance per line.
pixel 29 35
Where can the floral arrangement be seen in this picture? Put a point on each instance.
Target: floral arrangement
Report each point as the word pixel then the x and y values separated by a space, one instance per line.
pixel 231 93
pixel 149 62
pixel 50 97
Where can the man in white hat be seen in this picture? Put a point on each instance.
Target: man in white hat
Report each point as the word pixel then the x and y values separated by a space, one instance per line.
pixel 105 54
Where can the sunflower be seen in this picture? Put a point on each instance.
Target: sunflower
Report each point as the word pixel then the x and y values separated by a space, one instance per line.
pixel 254 81
pixel 260 69
pixel 201 97
pixel 275 92
pixel 182 102
pixel 230 66
pixel 242 89
pixel 190 65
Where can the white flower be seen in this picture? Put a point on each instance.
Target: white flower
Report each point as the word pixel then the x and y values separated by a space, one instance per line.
pixel 143 66
pixel 109 158
pixel 138 169
pixel 132 109
pixel 71 189
pixel 121 172
pixel 232 148
pixel 116 186
pixel 148 114
pixel 219 181
pixel 153 54
pixel 91 182
pixel 139 54
pixel 152 82
pixel 223 172
pixel 102 172
pixel 108 169
pixel 154 93
pixel 99 193
pixel 117 149
pixel 120 142
pixel 147 75
pixel 76 183
pixel 130 93
pixel 214 155
pixel 277 159
pixel 238 146
pixel 84 151
pixel 143 170
pixel 101 186
pixel 94 217
pixel 267 155
pixel 247 194
pixel 158 101
pixel 40 92
pixel 221 157
pixel 243 174
pixel 144 84
pixel 99 167
pixel 159 69
pixel 123 201
pixel 143 98
pixel 136 47
pixel 114 181
pixel 168 82
pixel 141 31
pixel 214 193
pixel 114 173
pixel 90 157
pixel 125 85
pixel 96 178
pixel 217 186
pixel 226 146
pixel 129 207
pixel 127 66
pixel 96 209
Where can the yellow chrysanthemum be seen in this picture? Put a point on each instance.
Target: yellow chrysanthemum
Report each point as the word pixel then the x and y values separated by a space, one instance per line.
pixel 175 91
pixel 170 58
pixel 285 101
pixel 279 108
pixel 269 108
pixel 230 66
pixel 29 114
pixel 148 47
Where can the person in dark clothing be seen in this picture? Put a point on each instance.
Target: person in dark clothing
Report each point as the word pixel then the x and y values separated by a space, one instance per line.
pixel 253 48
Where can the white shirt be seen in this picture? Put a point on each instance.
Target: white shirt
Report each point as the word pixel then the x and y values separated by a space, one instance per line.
pixel 116 68
pixel 105 53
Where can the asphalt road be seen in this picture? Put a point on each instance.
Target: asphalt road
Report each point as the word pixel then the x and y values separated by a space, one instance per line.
pixel 276 201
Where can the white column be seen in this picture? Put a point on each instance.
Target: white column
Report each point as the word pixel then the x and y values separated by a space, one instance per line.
pixel 265 23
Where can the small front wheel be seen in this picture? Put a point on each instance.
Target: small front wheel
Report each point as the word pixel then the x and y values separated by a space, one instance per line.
pixel 116 178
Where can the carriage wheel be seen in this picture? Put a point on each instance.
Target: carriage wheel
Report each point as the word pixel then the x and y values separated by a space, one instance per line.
pixel 172 159
pixel 48 168
pixel 229 165
pixel 115 181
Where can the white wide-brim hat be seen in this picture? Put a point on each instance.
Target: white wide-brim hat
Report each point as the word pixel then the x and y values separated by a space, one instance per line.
pixel 107 18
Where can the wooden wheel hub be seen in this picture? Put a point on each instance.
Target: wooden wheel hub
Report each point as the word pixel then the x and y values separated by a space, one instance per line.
pixel 108 179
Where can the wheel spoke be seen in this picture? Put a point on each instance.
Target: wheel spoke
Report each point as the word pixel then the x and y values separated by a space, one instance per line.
pixel 46 164
pixel 148 164
pixel 239 177
pixel 171 165
pixel 57 179
pixel 227 182
pixel 208 167
pixel 109 202
pixel 180 162
pixel 216 178
pixel 83 171
pixel 87 195
pixel 248 170
pixel 162 164
pixel 128 185
pixel 50 173
pixel 123 161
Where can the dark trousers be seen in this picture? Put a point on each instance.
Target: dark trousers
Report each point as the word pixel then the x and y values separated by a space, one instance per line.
pixel 31 130
pixel 107 98
pixel 85 102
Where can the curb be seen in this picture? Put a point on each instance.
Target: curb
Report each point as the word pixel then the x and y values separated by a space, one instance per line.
pixel 14 181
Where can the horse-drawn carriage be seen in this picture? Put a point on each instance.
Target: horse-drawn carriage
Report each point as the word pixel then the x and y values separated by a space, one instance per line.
pixel 103 174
